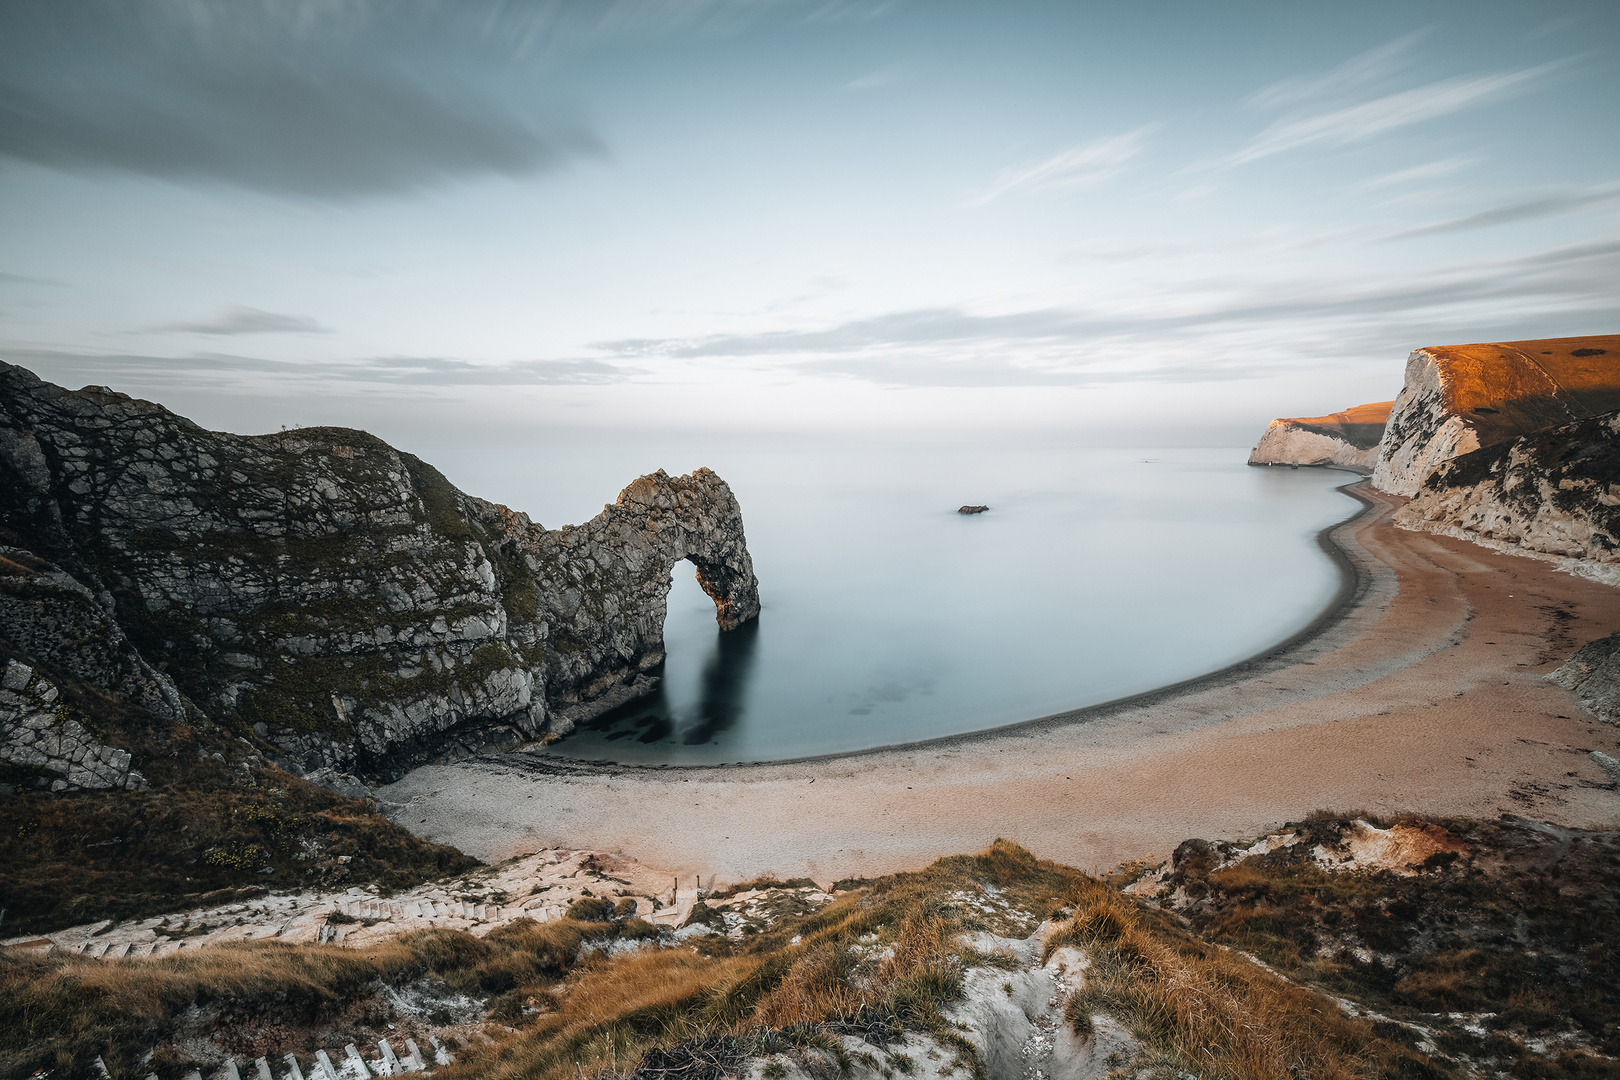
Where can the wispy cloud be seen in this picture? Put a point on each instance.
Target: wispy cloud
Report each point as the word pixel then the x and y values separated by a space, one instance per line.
pixel 1430 171
pixel 246 320
pixel 987 373
pixel 1525 210
pixel 1072 347
pixel 1355 123
pixel 1352 76
pixel 24 279
pixel 384 371
pixel 874 80
pixel 1080 166
pixel 437 371
pixel 849 10
pixel 1252 330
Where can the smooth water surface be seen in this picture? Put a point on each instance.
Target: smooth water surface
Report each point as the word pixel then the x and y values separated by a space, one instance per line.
pixel 888 617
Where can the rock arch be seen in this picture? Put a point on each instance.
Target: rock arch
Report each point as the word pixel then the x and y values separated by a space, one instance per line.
pixel 336 598
pixel 603 586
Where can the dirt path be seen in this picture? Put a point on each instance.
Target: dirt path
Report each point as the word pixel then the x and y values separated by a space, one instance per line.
pixel 1426 693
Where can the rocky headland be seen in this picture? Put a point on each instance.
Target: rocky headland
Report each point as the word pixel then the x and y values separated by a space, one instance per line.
pixel 1348 439
pixel 1552 495
pixel 1459 398
pixel 322 595
pixel 1512 445
pixel 182 604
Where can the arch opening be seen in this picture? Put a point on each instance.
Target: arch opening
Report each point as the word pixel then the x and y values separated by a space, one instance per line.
pixel 703 679
pixel 703 687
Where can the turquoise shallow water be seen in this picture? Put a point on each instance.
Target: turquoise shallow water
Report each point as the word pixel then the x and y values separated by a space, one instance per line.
pixel 889 618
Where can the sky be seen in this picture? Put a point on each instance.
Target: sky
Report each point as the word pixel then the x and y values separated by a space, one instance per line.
pixel 448 220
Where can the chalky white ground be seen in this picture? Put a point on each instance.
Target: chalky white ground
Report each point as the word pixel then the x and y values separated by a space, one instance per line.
pixel 541 885
pixel 1428 696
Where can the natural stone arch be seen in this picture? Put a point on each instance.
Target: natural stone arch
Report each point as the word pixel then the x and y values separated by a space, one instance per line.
pixel 604 586
pixel 340 600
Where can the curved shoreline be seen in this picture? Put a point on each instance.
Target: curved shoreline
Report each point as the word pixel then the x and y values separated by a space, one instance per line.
pixel 1422 689
pixel 1357 572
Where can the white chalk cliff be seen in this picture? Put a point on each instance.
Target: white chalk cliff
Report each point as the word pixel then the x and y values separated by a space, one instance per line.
pixel 1348 439
pixel 1552 495
pixel 1513 445
pixel 1459 398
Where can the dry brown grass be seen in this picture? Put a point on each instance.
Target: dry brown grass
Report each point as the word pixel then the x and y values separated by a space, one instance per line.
pixel 60 1012
pixel 815 987
pixel 877 962
pixel 611 1014
pixel 1224 1014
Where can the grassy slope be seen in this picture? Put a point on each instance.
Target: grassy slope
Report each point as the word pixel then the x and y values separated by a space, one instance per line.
pixel 1522 933
pixel 199 834
pixel 879 960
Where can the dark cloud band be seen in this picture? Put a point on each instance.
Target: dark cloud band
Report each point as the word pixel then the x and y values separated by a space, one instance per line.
pixel 390 371
pixel 244 320
pixel 348 107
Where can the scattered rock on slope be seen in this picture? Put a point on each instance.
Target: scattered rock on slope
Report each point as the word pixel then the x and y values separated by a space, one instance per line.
pixel 1593 673
pixel 41 734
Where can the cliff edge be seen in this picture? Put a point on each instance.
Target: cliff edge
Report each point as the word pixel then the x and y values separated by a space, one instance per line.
pixel 1552 495
pixel 1460 398
pixel 335 598
pixel 1349 438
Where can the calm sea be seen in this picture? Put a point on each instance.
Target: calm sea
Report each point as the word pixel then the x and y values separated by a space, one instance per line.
pixel 888 617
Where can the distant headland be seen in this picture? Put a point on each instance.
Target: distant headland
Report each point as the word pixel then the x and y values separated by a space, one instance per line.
pixel 1511 445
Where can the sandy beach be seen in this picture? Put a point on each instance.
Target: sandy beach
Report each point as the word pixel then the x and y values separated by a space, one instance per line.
pixel 1421 689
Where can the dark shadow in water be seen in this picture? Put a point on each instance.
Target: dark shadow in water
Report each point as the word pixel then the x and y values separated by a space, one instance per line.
pixel 723 690
pixel 658 724
pixel 651 712
pixel 725 683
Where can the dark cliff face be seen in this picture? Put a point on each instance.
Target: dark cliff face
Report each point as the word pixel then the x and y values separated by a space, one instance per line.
pixel 339 598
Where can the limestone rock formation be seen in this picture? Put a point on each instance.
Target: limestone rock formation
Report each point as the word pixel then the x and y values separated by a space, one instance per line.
pixel 40 733
pixel 1594 674
pixel 325 592
pixel 1349 438
pixel 1552 495
pixel 1459 398
pixel 603 585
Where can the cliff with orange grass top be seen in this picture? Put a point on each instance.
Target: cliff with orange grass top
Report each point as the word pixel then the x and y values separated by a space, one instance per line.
pixel 1460 398
pixel 1349 439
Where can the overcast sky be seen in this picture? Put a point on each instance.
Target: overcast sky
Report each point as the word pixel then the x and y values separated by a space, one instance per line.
pixel 767 214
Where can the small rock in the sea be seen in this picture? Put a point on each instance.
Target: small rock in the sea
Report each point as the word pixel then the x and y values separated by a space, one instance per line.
pixel 973 509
